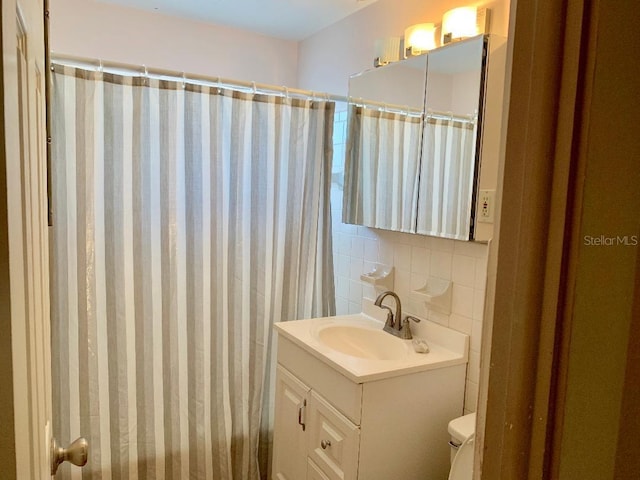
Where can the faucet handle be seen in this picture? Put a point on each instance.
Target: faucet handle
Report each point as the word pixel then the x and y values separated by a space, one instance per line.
pixel 405 327
pixel 390 319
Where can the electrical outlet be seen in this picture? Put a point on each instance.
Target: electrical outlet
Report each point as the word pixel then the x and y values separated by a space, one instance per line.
pixel 486 205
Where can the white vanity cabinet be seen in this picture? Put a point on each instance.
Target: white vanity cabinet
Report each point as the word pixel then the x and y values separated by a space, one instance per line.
pixel 312 439
pixel 332 427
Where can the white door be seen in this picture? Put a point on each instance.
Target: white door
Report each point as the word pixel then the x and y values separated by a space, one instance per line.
pixel 25 366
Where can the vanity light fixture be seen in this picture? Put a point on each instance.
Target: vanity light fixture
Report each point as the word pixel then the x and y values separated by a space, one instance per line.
pixel 464 22
pixel 419 39
pixel 387 50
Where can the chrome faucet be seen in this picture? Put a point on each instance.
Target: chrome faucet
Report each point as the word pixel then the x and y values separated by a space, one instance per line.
pixel 395 324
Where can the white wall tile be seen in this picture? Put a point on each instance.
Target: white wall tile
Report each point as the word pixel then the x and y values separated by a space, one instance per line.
pixel 440 265
pixel 416 307
pixel 401 238
pixel 367 232
pixel 350 229
pixel 355 307
pixel 478 305
pixel 357 247
pixel 476 336
pixel 368 266
pixel 342 286
pixel 438 317
pixel 402 257
pixel 355 292
pixel 369 291
pixel 442 244
pixel 481 273
pixel 341 265
pixel 462 300
pixel 472 249
pixel 463 270
pixel 419 241
pixel 417 281
pixel 385 252
pixel 471 397
pixel 342 306
pixel 342 243
pixel 420 260
pixel 461 324
pixel 371 249
pixel 356 268
pixel 402 283
pixel 473 374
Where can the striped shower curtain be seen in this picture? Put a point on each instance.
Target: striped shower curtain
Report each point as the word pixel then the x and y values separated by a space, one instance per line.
pixel 446 177
pixel 187 219
pixel 381 176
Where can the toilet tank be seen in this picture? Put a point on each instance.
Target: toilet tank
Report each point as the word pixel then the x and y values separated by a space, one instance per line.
pixel 460 429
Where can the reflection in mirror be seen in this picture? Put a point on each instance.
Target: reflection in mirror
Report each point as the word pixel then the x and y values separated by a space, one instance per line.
pixel 412 162
pixel 448 171
pixel 383 146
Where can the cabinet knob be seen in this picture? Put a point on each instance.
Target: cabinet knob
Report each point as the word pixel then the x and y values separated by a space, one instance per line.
pixel 325 443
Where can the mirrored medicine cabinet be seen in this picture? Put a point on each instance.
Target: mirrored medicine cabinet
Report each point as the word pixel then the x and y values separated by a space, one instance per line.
pixel 413 144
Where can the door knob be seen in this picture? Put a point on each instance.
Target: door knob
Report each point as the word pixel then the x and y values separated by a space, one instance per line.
pixel 325 443
pixel 75 453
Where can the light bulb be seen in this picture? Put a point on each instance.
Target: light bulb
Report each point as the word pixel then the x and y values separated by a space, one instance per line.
pixel 459 23
pixel 419 39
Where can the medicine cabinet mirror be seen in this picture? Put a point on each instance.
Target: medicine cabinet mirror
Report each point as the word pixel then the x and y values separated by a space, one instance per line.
pixel 414 132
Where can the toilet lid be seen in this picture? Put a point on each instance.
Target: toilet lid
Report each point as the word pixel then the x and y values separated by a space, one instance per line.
pixel 462 467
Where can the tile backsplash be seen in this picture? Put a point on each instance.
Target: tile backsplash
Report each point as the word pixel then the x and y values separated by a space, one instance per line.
pixel 416 258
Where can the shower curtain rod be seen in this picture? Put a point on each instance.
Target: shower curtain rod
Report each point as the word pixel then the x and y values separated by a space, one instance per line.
pixel 451 116
pixel 117 67
pixel 385 107
pixel 418 113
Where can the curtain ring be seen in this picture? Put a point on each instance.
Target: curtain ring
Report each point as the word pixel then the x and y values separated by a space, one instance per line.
pixel 286 92
pixel 254 87
pixel 100 66
pixel 145 74
pixel 184 80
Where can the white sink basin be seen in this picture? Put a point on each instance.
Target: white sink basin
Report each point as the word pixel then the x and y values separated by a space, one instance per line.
pixel 358 348
pixel 362 342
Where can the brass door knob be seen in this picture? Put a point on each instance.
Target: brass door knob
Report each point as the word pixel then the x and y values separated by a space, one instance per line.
pixel 75 453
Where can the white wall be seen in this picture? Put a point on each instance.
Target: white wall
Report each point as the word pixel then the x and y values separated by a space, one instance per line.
pixel 394 84
pixel 326 60
pixel 87 28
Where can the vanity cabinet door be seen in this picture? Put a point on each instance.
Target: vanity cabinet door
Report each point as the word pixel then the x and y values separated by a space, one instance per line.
pixel 289 446
pixel 314 472
pixel 334 441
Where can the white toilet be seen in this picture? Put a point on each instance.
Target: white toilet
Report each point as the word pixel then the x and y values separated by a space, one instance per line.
pixel 462 431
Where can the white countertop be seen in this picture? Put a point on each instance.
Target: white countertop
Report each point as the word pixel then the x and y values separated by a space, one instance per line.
pixel 446 346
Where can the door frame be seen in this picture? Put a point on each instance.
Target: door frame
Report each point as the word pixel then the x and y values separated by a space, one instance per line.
pixel 546 301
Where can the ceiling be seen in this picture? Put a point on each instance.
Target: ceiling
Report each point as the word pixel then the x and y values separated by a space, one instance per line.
pixel 286 19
